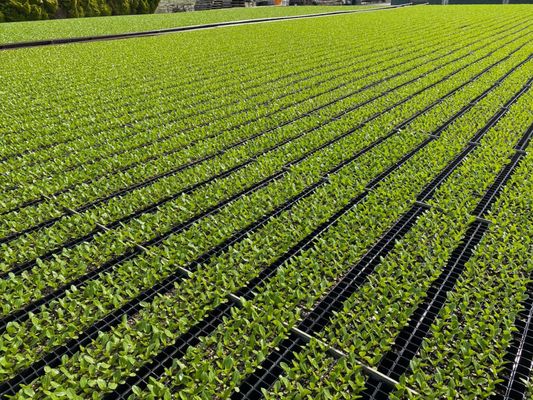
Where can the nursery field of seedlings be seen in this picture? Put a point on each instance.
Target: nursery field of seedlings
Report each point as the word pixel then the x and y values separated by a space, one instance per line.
pixel 80 27
pixel 324 208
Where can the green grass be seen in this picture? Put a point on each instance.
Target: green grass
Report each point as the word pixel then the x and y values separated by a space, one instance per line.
pixel 66 28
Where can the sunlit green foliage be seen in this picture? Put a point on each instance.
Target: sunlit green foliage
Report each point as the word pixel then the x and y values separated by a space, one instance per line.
pixel 164 148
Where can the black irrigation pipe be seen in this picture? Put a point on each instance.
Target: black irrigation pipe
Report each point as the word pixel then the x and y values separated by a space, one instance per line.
pixel 524 142
pixel 316 320
pixel 84 39
pixel 54 358
pixel 396 361
pixel 171 172
pixel 164 359
pixel 43 198
pixel 50 222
